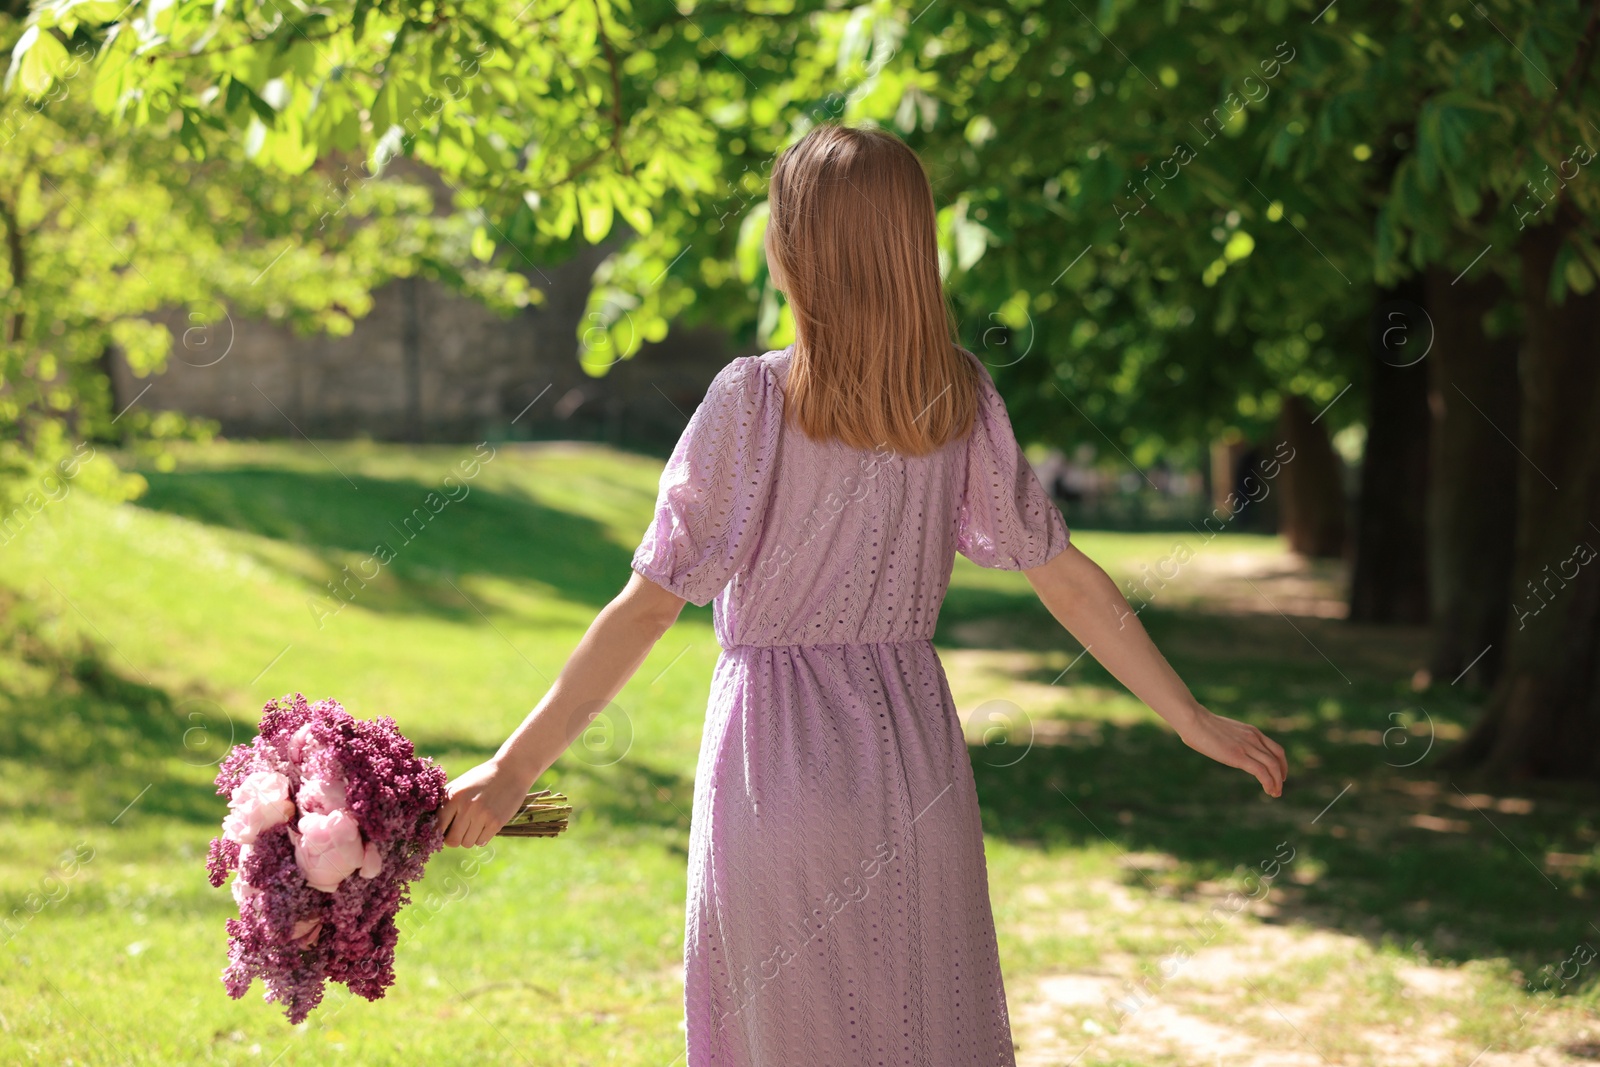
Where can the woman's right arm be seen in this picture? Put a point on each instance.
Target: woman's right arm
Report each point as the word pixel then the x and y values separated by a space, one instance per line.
pixel 1085 600
pixel 483 799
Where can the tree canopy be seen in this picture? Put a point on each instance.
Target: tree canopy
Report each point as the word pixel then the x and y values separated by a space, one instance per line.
pixel 1158 223
pixel 1181 205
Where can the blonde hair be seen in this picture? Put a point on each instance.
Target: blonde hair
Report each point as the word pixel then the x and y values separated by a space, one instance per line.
pixel 853 242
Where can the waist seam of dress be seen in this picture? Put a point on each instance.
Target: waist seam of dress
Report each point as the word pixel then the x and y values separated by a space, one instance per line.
pixel 829 644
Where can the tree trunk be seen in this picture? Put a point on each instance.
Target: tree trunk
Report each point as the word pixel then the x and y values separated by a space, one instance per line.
pixel 17 263
pixel 1475 398
pixel 1543 719
pixel 1227 454
pixel 1389 578
pixel 108 368
pixel 1311 516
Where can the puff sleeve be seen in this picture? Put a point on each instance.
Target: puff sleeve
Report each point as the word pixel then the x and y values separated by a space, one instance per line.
pixel 714 490
pixel 1007 520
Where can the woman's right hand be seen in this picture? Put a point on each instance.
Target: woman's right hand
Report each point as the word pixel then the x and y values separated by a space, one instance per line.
pixel 1237 744
pixel 480 802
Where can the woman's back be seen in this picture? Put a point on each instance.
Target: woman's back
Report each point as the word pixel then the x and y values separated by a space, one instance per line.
pixel 806 542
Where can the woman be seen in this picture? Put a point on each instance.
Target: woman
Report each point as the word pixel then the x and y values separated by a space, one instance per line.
pixel 838 909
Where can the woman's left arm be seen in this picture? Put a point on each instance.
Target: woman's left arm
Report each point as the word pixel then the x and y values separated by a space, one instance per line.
pixel 483 799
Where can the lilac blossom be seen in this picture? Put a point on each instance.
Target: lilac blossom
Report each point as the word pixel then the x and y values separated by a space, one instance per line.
pixel 292 935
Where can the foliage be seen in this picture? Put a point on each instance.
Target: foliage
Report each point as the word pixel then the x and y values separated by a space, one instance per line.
pixel 546 122
pixel 1167 219
pixel 107 226
pixel 1232 186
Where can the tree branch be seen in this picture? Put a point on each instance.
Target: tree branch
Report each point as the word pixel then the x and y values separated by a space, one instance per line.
pixel 248 42
pixel 616 90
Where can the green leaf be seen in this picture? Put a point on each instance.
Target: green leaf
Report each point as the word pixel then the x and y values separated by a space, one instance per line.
pixel 19 52
pixel 594 204
pixel 483 148
pixel 562 214
pixel 37 59
pixel 358 19
pixel 1427 154
pixel 482 244
pixel 241 96
pixel 969 237
pixel 1464 196
pixel 98 11
pixel 635 212
pixel 1535 68
pixel 748 253
pixel 1578 276
pixel 1556 292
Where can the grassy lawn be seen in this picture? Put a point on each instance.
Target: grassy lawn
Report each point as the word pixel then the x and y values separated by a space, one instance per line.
pixel 1409 921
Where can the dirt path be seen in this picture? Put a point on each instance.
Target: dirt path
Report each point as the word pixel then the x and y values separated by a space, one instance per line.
pixel 1287 996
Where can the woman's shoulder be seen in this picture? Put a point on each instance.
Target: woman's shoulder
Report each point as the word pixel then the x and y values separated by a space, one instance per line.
pixel 746 373
pixel 746 366
pixel 774 362
pixel 976 365
pixel 751 382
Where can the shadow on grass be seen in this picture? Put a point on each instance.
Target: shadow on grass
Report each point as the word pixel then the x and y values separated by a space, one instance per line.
pixel 1388 847
pixel 1389 861
pixel 485 532
pixel 80 742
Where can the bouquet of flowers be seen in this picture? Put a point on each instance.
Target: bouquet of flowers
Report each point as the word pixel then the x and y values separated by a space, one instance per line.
pixel 330 819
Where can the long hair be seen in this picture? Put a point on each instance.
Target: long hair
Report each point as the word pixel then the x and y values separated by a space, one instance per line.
pixel 853 241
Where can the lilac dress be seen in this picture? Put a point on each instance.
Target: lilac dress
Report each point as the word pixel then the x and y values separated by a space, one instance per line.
pixel 838 902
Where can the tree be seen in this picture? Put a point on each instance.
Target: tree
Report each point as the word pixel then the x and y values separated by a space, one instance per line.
pixel 1312 489
pixel 1179 221
pixel 104 226
pixel 1543 717
pixel 1388 580
pixel 1474 398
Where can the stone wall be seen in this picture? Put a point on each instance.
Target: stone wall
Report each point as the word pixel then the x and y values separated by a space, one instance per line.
pixel 429 365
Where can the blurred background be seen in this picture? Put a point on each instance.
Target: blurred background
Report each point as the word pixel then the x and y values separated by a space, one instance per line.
pixel 1292 303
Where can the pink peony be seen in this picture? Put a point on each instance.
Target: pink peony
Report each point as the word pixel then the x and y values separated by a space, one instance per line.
pixel 305 931
pixel 323 797
pixel 371 861
pixel 327 848
pixel 300 744
pixel 259 803
pixel 243 892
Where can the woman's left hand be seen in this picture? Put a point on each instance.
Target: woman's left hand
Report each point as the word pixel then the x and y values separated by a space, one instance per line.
pixel 1237 744
pixel 479 803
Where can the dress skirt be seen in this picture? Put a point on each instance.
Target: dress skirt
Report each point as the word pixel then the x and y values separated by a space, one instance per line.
pixel 838 909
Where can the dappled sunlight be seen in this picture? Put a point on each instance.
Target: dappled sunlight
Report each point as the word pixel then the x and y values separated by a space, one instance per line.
pixel 1401 931
pixel 1398 932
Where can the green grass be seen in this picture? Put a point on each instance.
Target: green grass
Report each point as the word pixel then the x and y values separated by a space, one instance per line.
pixel 140 640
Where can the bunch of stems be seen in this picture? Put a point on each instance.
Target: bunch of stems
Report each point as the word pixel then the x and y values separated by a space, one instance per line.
pixel 543 814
